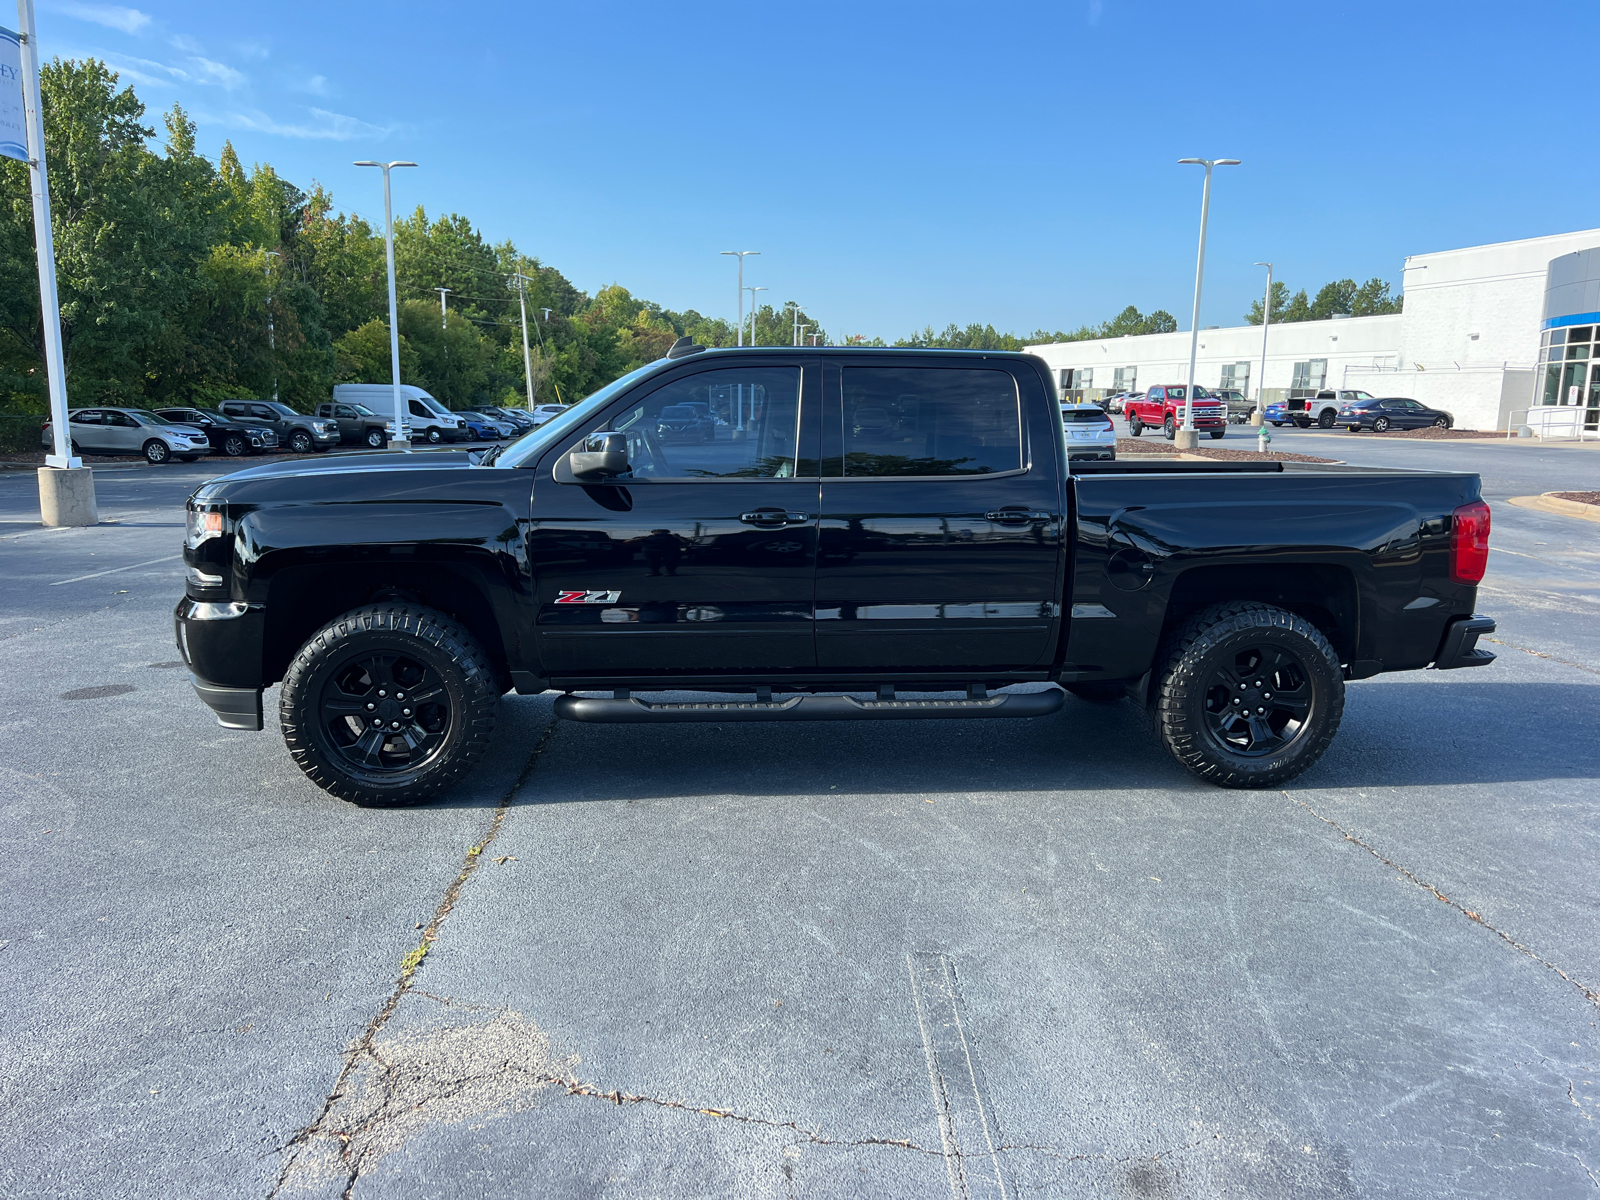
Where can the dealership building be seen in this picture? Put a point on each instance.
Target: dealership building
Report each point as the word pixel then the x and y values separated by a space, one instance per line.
pixel 1487 332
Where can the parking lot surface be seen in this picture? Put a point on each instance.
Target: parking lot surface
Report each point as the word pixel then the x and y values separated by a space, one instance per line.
pixel 976 959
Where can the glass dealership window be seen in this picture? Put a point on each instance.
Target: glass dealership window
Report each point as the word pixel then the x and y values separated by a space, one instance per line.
pixel 901 421
pixel 1125 379
pixel 1310 375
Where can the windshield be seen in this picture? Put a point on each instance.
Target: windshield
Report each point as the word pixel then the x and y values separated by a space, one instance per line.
pixel 361 410
pixel 530 445
pixel 1176 393
pixel 144 417
pixel 433 406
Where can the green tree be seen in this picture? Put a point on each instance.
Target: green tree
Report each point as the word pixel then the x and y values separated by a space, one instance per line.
pixel 1372 299
pixel 1280 302
pixel 363 356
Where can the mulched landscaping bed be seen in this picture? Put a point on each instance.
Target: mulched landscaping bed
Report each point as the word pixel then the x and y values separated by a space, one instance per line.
pixel 1160 446
pixel 1435 435
pixel 1578 497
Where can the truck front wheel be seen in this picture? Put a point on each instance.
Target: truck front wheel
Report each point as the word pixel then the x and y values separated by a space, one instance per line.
pixel 1250 695
pixel 1135 426
pixel 1170 428
pixel 388 705
pixel 376 439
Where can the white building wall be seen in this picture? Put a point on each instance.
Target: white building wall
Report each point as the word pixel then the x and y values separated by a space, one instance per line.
pixel 1467 342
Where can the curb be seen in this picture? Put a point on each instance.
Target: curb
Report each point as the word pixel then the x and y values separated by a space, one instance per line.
pixel 1550 503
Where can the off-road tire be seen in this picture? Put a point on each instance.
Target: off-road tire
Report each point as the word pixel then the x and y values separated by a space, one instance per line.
pixel 156 452
pixel 416 632
pixel 1194 653
pixel 1097 693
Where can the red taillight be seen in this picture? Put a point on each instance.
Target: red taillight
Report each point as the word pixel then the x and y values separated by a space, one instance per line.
pixel 1469 542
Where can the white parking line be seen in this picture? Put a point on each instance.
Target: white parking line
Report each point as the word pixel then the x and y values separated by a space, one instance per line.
pixel 114 570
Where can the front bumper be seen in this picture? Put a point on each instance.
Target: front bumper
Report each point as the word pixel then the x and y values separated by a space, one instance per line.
pixel 236 708
pixel 1460 645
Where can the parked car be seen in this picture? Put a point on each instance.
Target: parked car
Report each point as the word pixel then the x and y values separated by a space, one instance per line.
pixel 1118 403
pixel 1239 405
pixel 519 418
pixel 1276 413
pixel 223 434
pixel 948 548
pixel 1392 413
pixel 544 412
pixel 429 420
pixel 130 431
pixel 1090 433
pixel 297 431
pixel 1323 408
pixel 1161 407
pixel 685 423
pixel 485 429
pixel 359 425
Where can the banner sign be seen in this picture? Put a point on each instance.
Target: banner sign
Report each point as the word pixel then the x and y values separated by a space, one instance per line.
pixel 13 134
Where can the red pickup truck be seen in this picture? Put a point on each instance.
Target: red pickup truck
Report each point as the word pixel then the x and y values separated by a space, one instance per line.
pixel 1161 408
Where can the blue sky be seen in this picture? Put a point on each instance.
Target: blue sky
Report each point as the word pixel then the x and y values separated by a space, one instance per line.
pixel 903 164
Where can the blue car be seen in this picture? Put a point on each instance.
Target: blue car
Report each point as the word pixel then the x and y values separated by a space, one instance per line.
pixel 480 429
pixel 1276 413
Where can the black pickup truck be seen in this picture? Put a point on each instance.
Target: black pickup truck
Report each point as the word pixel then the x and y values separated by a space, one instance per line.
pixel 864 533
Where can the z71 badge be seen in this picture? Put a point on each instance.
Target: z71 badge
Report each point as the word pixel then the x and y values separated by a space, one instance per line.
pixel 588 597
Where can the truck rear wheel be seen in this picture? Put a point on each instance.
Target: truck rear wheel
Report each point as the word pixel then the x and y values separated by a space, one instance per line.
pixel 1250 695
pixel 388 705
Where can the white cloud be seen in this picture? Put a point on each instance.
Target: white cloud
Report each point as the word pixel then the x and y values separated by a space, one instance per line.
pixel 253 50
pixel 208 70
pixel 325 125
pixel 114 16
pixel 316 85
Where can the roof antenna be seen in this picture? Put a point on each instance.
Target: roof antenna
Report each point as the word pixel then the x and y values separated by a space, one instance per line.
pixel 683 347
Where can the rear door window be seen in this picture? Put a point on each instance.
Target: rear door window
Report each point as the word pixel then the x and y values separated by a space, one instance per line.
pixel 928 421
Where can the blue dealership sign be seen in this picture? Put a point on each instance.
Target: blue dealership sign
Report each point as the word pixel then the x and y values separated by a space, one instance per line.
pixel 13 134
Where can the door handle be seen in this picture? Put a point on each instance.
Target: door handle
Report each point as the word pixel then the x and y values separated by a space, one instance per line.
pixel 773 517
pixel 1017 516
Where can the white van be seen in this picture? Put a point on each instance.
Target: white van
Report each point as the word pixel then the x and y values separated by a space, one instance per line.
pixel 428 419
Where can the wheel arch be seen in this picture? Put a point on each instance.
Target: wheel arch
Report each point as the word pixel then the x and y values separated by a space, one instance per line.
pixel 1325 594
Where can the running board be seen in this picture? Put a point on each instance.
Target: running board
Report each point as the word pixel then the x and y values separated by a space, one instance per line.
pixel 806 708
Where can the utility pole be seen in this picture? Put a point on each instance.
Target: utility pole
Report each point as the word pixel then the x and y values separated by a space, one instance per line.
pixel 272 341
pixel 1266 319
pixel 1190 439
pixel 399 441
pixel 740 255
pixel 753 291
pixel 527 358
pixel 444 317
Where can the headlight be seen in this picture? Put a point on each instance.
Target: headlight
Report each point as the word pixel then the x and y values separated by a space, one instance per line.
pixel 204 524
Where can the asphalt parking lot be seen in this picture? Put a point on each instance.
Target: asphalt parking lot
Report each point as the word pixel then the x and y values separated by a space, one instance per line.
pixel 975 959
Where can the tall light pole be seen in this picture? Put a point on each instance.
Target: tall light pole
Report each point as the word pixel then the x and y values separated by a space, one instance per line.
pixel 272 340
pixel 444 316
pixel 796 340
pixel 1190 440
pixel 399 441
pixel 740 255
pixel 527 359
pixel 1266 319
pixel 753 291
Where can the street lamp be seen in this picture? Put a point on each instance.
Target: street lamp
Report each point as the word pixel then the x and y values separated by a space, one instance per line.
pixel 753 291
pixel 400 441
pixel 444 316
pixel 796 312
pixel 272 340
pixel 1189 440
pixel 740 255
pixel 1266 319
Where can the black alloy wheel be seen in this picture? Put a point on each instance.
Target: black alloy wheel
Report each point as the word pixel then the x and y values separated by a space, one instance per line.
pixel 388 705
pixel 235 445
pixel 1251 695
pixel 1381 425
pixel 300 441
pixel 1441 422
pixel 375 439
pixel 1325 418
pixel 156 451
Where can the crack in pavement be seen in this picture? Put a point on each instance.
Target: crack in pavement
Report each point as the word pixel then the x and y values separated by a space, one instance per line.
pixel 1589 994
pixel 363 1051
pixel 1539 654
